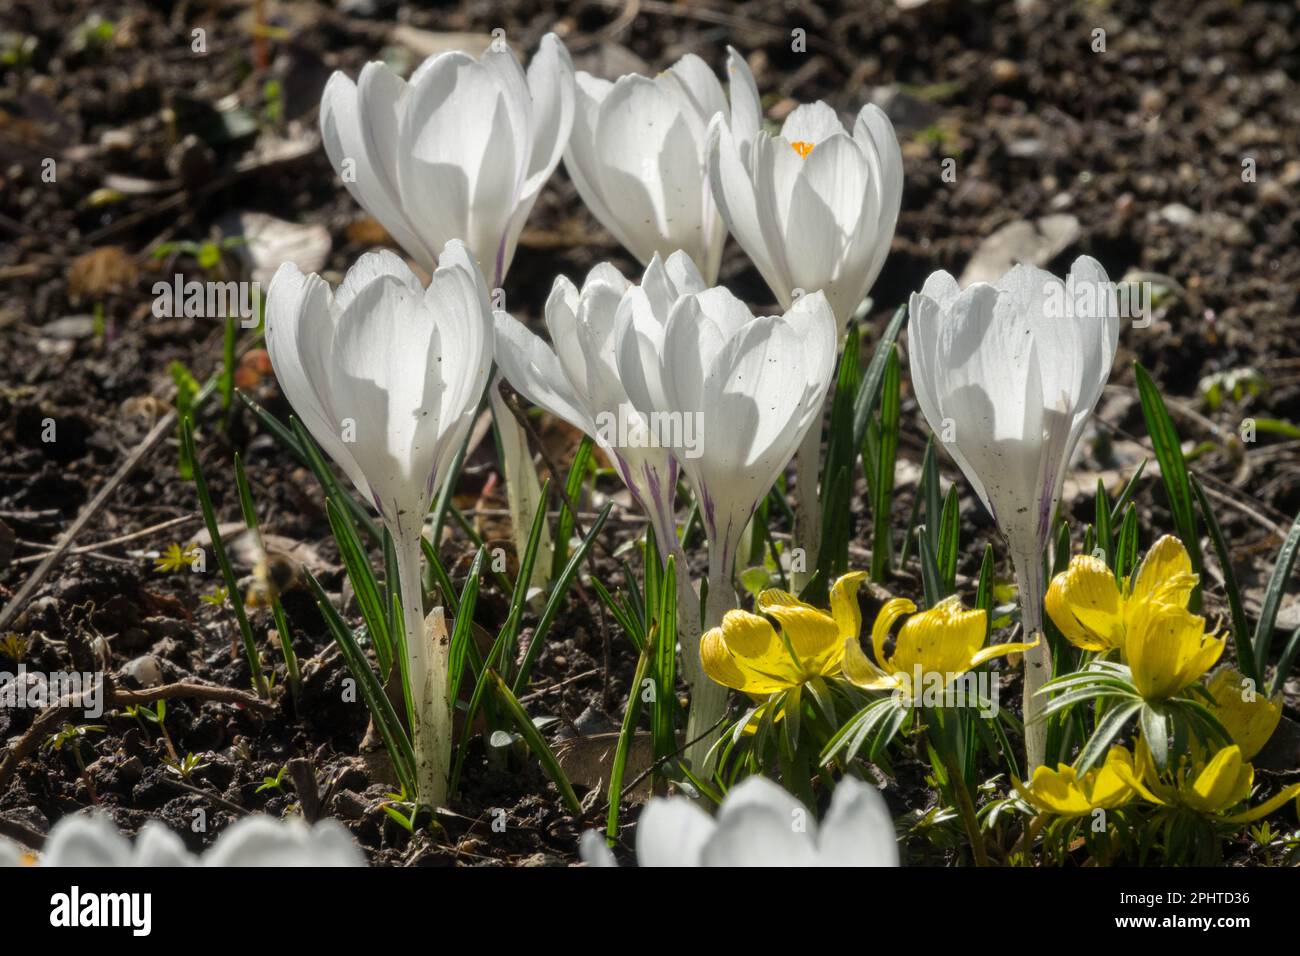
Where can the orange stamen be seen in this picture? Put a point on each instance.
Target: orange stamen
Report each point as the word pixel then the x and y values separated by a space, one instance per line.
pixel 802 148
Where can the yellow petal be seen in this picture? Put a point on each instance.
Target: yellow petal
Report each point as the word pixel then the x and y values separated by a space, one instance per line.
pixel 1085 604
pixel 1109 784
pixel 1267 807
pixel 1054 791
pixel 746 654
pixel 891 612
pixel 1166 574
pixel 775 597
pixel 1222 784
pixel 1141 775
pixel 844 604
pixel 859 669
pixel 814 637
pixel 1167 649
pixel 1248 717
pixel 942 640
pixel 1000 650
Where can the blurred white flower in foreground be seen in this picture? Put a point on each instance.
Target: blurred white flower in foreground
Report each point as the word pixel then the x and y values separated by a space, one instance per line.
pixel 755 386
pixel 638 157
pixel 461 151
pixel 577 377
pixel 760 824
pixel 256 840
pixel 387 376
pixel 1007 375
pixel 815 206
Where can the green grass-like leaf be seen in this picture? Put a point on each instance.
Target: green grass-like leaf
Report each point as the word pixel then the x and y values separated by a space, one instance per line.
pixel 223 560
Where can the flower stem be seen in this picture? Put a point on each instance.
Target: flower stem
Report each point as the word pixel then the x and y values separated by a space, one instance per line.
pixel 1038 660
pixel 807 509
pixel 523 490
pixel 426 669
pixel 708 698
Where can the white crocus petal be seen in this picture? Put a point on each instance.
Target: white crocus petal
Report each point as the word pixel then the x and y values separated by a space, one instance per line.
pixel 359 129
pixel 811 123
pixel 858 829
pixel 385 373
pixel 158 846
pixel 262 841
pixel 758 836
pixel 746 107
pixel 815 207
pixel 755 384
pixel 1008 386
pixel 760 824
pixel 672 832
pixel 594 851
pixel 831 194
pixel 733 191
pixel 388 141
pixel 638 157
pixel 531 367
pixel 86 840
pixel 578 378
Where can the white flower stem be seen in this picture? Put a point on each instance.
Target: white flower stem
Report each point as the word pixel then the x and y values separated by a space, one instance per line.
pixel 708 698
pixel 807 509
pixel 1038 661
pixel 523 490
pixel 426 665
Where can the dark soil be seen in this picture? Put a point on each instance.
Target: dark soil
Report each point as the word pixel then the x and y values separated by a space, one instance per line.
pixel 1143 143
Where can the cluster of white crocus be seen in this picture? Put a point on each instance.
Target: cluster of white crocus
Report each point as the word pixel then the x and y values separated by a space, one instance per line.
pixel 386 375
pixel 1007 378
pixel 91 840
pixel 388 379
pixel 760 824
pixel 668 376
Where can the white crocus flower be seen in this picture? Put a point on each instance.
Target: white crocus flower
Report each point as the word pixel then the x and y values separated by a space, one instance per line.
pixel 760 824
pixel 461 151
pixel 814 208
pixel 1007 375
pixel 754 387
pixel 91 840
pixel 577 378
pixel 638 157
pixel 387 376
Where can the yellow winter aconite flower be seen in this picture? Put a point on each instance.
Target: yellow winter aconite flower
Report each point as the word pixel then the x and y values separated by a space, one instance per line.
pixel 1095 612
pixel 747 653
pixel 1249 718
pixel 1065 793
pixel 1167 649
pixel 947 640
pixel 1210 788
